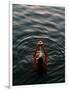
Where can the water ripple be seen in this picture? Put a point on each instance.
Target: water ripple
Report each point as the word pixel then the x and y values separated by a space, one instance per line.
pixel 31 23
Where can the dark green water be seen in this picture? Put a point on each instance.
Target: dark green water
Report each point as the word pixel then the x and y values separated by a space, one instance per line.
pixel 30 23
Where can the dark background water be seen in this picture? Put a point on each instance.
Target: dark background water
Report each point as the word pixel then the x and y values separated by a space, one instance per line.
pixel 31 22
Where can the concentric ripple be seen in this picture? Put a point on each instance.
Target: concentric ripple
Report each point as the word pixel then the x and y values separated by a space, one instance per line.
pixel 30 23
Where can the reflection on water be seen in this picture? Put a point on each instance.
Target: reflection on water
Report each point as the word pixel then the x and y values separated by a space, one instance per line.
pixel 31 22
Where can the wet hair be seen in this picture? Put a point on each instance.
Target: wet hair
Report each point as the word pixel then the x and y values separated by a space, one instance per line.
pixel 40 60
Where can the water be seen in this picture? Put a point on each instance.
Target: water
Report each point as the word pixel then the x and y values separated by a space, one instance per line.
pixel 30 23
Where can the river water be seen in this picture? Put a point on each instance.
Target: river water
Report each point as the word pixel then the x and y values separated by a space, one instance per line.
pixel 30 23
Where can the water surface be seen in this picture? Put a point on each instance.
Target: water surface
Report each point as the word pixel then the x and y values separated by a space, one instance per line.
pixel 30 23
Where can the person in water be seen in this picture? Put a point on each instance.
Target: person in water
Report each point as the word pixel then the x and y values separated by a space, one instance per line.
pixel 40 58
